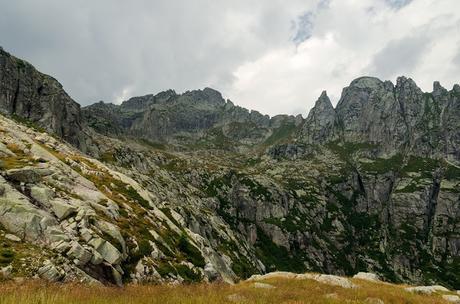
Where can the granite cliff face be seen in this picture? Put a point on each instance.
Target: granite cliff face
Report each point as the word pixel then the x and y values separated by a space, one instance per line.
pixel 39 98
pixel 187 187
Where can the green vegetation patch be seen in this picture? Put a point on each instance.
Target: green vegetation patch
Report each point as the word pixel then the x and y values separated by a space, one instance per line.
pixel 383 165
pixel 420 165
pixel 283 132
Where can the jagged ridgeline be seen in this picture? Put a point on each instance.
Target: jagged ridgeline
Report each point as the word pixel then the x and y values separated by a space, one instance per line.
pixel 189 187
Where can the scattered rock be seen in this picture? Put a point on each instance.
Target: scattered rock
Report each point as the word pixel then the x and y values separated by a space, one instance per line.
pixel 5 152
pixel 275 274
pixel 108 252
pixel 210 272
pixel 5 272
pixel 20 217
pixel 331 296
pixel 42 195
pixel 367 276
pixel 427 289
pixel 49 272
pixel 236 298
pixel 97 258
pixel 60 246
pixel 263 285
pixel 12 237
pixel 374 301
pixel 61 208
pixel 335 281
pixel 451 298
pixel 25 175
pixel 81 255
pixel 307 276
pixel 117 277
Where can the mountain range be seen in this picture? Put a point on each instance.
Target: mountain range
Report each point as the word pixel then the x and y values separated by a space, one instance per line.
pixel 191 187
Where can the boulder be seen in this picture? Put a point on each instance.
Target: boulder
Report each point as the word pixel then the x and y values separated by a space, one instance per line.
pixel 43 195
pixel 210 272
pixel 335 281
pixel 263 285
pixel 117 277
pixel 12 237
pixel 25 175
pixel 113 231
pixel 451 298
pixel 367 276
pixel 275 274
pixel 61 208
pixel 60 246
pixel 97 258
pixel 55 234
pixel 49 272
pixel 81 255
pixel 5 152
pixel 374 301
pixel 427 289
pixel 5 272
pixel 236 298
pixel 20 217
pixel 86 234
pixel 108 252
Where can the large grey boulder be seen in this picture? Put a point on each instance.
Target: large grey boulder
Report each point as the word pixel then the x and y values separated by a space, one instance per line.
pixel 113 231
pixel 20 217
pixel 81 255
pixel 367 276
pixel 25 175
pixel 427 289
pixel 42 194
pixel 335 281
pixel 108 252
pixel 61 208
pixel 50 272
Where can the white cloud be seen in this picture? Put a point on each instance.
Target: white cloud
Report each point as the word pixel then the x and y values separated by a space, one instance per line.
pixel 350 39
pixel 112 49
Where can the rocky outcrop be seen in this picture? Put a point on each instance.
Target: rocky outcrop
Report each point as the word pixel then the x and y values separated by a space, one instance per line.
pixel 319 125
pixel 28 94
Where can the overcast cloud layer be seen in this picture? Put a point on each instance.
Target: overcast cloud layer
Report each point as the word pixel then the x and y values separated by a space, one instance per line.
pixel 274 56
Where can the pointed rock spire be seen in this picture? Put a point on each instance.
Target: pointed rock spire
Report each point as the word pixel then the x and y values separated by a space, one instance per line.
pixel 322 105
pixel 319 123
pixel 438 89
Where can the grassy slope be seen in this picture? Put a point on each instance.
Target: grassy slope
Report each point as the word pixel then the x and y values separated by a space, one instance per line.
pixel 286 291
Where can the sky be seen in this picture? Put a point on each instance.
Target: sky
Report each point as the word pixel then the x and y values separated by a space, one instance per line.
pixel 274 56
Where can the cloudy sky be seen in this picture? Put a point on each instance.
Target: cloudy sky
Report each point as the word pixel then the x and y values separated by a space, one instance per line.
pixel 275 56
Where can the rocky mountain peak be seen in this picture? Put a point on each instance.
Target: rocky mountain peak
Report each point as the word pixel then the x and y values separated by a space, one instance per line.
pixel 319 123
pixel 323 103
pixel 456 88
pixel 438 89
pixel 29 94
pixel 407 84
pixel 366 82
pixel 207 95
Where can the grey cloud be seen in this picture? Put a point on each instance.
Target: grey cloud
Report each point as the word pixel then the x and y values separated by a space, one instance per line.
pixel 456 59
pixel 303 28
pixel 397 4
pixel 97 49
pixel 399 57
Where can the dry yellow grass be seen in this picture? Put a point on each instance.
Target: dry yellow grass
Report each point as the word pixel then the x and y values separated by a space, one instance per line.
pixel 286 291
